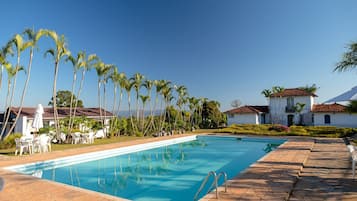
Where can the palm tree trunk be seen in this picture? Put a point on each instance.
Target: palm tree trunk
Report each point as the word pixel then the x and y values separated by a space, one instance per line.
pixel 78 95
pixel 131 117
pixel 23 91
pixel 71 103
pixel 6 108
pixel 11 98
pixel 100 104
pixel 54 96
pixel 114 104
pixel 104 105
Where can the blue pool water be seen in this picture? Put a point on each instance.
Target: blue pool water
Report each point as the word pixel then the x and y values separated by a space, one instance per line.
pixel 172 172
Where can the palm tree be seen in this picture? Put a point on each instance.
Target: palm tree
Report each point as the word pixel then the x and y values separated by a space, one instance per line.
pixel 148 84
pixel 144 99
pixel 166 93
pixel 87 64
pixel 59 52
pixel 182 94
pixel 20 46
pixel 128 86
pixel 137 80
pixel 122 82
pixel 311 89
pixel 5 51
pixel 349 59
pixel 102 70
pixel 33 38
pixel 77 64
pixel 114 77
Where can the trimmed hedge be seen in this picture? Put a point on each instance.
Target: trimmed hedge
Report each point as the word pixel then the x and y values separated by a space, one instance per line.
pixel 281 130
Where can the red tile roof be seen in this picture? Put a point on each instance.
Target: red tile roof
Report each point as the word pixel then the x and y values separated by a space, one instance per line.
pixel 329 108
pixel 62 112
pixel 293 92
pixel 249 109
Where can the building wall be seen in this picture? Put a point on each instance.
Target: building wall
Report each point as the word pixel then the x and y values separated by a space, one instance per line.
pixel 243 119
pixel 278 112
pixel 337 119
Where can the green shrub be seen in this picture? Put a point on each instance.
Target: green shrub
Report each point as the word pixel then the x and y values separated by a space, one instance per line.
pixel 139 134
pixel 9 141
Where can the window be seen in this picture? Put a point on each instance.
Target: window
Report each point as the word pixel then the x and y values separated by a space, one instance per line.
pixel 327 119
pixel 290 102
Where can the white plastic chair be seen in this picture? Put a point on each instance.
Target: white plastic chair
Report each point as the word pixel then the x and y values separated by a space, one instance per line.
pixel 76 138
pixel 353 152
pixel 22 145
pixel 99 134
pixel 45 143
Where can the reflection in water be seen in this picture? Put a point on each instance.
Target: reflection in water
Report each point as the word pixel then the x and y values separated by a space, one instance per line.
pixel 270 147
pixel 116 174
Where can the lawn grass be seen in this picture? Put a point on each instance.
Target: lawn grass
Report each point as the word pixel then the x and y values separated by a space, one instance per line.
pixel 60 147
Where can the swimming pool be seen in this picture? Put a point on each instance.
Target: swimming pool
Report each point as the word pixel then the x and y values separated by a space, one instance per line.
pixel 169 172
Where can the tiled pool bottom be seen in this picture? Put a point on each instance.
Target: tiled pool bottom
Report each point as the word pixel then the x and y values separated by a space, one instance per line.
pixel 153 168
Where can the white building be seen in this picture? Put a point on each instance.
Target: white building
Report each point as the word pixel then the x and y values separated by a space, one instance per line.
pixel 24 123
pixel 293 106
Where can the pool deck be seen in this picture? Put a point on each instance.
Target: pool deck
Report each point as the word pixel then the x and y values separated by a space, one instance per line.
pixel 300 169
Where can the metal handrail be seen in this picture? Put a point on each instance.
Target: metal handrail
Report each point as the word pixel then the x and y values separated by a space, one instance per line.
pixel 213 185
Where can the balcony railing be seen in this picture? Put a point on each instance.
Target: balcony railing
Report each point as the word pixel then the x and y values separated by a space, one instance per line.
pixel 290 109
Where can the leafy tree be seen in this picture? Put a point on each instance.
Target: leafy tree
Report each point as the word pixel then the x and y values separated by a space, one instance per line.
pixel 236 103
pixel 352 106
pixel 212 117
pixel 64 99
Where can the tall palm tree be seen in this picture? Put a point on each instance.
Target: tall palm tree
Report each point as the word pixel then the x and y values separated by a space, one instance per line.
pixel 5 51
pixel 20 46
pixel 88 63
pixel 102 70
pixel 166 93
pixel 122 82
pixel 114 77
pixel 144 100
pixel 349 59
pixel 128 86
pixel 11 72
pixel 193 106
pixel 59 52
pixel 182 94
pixel 148 84
pixel 77 63
pixel 137 80
pixel 33 38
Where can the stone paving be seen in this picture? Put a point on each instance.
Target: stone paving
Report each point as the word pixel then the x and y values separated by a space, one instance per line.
pixel 327 174
pixel 300 169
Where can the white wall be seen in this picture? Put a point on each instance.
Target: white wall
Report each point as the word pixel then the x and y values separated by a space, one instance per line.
pixel 243 119
pixel 277 107
pixel 337 119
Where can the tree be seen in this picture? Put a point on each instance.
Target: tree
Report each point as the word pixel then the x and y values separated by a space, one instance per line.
pixel 299 107
pixel 33 38
pixel 59 52
pixel 137 83
pixel 311 89
pixel 212 117
pixel 236 103
pixel 349 59
pixel 352 106
pixel 64 99
pixel 267 93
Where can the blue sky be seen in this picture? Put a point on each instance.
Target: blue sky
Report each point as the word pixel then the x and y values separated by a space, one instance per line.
pixel 222 50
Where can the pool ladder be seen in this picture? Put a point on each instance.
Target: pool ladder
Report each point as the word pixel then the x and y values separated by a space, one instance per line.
pixel 214 185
